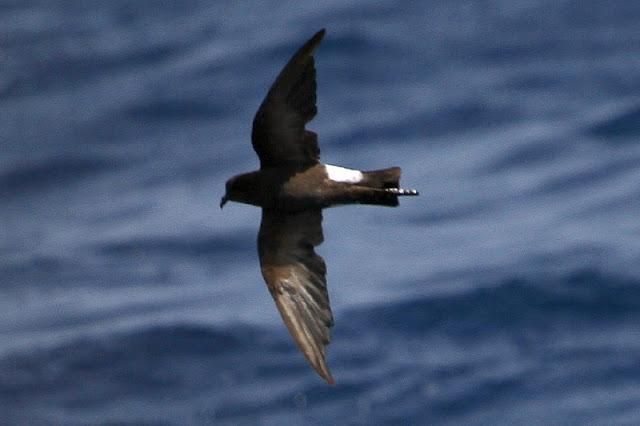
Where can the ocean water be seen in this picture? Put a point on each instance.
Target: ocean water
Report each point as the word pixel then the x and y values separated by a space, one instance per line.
pixel 507 293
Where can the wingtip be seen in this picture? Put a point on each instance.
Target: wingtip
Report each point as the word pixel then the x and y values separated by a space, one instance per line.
pixel 320 365
pixel 317 38
pixel 307 49
pixel 326 375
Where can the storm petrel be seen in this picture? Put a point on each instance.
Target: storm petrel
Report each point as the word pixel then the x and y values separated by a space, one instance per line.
pixel 292 187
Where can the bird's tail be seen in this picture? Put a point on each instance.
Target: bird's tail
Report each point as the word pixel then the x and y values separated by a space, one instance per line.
pixel 384 187
pixel 381 179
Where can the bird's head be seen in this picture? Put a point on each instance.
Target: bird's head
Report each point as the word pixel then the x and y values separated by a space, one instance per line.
pixel 242 189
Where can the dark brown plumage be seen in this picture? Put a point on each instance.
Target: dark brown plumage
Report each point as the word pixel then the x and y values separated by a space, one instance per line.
pixel 279 137
pixel 292 187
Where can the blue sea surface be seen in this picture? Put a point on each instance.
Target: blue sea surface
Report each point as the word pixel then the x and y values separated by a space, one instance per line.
pixel 507 293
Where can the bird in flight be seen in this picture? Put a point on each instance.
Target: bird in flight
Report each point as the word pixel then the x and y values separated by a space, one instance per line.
pixel 292 187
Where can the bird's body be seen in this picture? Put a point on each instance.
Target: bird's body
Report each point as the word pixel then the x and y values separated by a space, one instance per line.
pixel 292 187
pixel 317 186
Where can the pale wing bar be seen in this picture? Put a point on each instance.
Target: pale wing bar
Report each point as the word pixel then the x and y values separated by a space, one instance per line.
pixel 296 277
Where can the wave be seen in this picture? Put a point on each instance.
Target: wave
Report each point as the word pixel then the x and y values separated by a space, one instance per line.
pixel 175 109
pixel 433 124
pixel 180 245
pixel 529 154
pixel 602 172
pixel 587 296
pixel 623 123
pixel 461 352
pixel 515 303
pixel 53 171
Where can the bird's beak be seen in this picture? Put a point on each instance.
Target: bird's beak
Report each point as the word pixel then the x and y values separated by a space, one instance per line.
pixel 224 200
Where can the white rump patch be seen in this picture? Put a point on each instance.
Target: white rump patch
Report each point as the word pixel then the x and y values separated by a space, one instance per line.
pixel 340 174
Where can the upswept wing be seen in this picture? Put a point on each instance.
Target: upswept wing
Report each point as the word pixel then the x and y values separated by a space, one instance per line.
pixel 296 277
pixel 279 136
